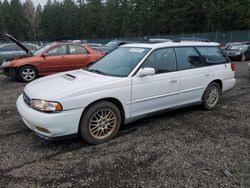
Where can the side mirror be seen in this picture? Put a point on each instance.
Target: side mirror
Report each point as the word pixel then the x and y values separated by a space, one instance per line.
pixel 147 71
pixel 44 55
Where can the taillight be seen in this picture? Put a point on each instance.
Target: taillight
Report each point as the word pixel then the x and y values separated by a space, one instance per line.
pixel 233 66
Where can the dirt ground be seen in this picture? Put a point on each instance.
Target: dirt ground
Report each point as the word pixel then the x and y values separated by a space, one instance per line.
pixel 189 147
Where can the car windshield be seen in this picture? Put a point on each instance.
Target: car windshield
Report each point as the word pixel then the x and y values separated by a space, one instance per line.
pixel 120 62
pixel 42 49
pixel 238 47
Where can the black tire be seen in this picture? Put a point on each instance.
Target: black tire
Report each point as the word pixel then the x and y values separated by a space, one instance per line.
pixel 211 96
pixel 27 73
pixel 95 128
pixel 243 57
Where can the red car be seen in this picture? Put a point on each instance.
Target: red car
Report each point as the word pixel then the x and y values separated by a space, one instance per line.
pixel 51 58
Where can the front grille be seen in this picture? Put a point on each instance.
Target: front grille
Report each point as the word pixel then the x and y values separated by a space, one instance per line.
pixel 26 99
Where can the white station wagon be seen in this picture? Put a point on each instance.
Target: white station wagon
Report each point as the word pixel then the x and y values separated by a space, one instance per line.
pixel 132 82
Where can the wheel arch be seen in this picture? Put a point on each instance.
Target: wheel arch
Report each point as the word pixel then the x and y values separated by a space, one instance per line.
pixel 28 65
pixel 218 81
pixel 113 100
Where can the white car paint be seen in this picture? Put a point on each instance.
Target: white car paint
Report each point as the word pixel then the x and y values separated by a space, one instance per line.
pixel 137 95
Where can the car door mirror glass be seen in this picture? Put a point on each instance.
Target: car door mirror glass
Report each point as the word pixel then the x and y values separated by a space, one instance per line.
pixel 147 71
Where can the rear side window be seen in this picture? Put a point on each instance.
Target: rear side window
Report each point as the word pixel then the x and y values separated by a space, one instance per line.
pixel 212 55
pixel 188 58
pixel 75 49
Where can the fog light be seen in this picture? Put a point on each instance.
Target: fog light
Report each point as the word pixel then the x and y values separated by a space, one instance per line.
pixel 42 129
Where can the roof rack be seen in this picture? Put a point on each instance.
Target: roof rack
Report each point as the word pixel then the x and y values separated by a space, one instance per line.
pixel 191 40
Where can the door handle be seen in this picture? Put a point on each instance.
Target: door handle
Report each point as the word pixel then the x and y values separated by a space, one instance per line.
pixel 173 81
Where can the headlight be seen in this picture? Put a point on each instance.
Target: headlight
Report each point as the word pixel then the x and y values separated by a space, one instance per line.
pixel 6 63
pixel 46 106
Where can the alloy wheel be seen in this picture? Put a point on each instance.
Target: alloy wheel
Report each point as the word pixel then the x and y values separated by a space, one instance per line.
pixel 28 74
pixel 102 123
pixel 212 96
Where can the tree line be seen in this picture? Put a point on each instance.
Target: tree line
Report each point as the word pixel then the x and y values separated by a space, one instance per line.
pixel 81 19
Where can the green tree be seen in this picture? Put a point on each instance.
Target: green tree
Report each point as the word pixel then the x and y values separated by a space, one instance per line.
pixel 16 21
pixel 69 19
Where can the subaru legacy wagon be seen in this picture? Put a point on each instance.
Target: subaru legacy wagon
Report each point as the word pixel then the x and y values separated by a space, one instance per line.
pixel 134 81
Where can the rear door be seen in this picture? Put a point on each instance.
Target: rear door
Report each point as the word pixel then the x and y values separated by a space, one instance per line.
pixel 219 66
pixel 194 75
pixel 78 57
pixel 54 61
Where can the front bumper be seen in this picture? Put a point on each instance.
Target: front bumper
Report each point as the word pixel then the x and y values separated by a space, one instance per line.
pixel 57 124
pixel 9 71
pixel 234 57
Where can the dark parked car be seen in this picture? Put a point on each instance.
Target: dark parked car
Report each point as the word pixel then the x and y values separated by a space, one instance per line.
pixel 230 44
pixel 112 45
pixel 12 50
pixel 239 52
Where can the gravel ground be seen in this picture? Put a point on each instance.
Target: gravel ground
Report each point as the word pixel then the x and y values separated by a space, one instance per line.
pixel 189 147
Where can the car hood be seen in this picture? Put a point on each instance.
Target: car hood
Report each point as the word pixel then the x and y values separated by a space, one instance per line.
pixel 229 50
pixel 61 85
pixel 19 57
pixel 19 44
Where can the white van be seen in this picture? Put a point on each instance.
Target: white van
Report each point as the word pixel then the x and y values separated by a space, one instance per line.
pixel 132 82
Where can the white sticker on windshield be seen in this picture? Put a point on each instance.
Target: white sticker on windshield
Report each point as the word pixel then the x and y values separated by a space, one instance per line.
pixel 138 50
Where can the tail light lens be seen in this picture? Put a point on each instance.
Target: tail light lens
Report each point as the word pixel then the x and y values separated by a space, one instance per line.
pixel 233 66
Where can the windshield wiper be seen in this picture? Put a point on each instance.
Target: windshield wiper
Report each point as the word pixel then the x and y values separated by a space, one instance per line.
pixel 103 73
pixel 97 71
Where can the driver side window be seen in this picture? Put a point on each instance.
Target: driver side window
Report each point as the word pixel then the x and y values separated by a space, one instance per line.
pixel 59 50
pixel 162 60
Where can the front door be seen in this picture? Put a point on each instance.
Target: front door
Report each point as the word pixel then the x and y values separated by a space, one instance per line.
pixel 157 92
pixel 54 61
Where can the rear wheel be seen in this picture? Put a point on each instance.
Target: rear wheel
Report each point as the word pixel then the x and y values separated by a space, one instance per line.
pixel 27 73
pixel 212 96
pixel 100 122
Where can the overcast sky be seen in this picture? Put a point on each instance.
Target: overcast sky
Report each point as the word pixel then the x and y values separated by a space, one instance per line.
pixel 41 2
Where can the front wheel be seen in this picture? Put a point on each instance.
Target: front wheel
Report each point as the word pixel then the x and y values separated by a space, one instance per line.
pixel 100 122
pixel 27 73
pixel 211 96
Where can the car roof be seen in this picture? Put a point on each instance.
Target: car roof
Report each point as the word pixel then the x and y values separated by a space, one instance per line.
pixel 170 44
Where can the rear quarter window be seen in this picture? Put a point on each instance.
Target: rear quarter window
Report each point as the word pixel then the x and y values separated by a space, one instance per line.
pixel 212 55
